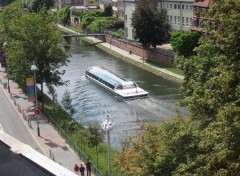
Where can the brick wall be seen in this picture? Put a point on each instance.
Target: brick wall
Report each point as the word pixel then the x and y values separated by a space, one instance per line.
pixel 160 55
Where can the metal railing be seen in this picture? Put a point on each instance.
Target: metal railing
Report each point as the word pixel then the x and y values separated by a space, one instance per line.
pixel 74 146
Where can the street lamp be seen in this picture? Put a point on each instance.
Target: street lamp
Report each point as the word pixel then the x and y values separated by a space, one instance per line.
pixel 34 69
pixel 107 125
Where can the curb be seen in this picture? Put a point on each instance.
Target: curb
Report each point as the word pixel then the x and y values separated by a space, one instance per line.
pixel 20 115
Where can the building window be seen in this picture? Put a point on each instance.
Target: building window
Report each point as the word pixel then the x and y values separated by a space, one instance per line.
pixel 175 6
pixel 197 9
pixel 183 6
pixel 126 32
pixel 187 21
pixel 175 20
pixel 133 33
pixel 190 22
pixel 178 6
pixel 183 24
pixel 167 5
pixel 170 6
pixel 186 7
pixel 191 7
pixel 203 10
pixel 170 19
pixel 178 22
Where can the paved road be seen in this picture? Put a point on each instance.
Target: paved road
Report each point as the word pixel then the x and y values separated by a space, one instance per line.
pixel 12 124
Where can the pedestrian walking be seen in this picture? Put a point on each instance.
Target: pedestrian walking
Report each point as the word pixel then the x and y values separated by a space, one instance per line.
pixel 76 168
pixel 82 169
pixel 88 166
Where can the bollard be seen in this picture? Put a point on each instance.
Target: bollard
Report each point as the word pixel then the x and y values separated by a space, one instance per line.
pixel 24 115
pixel 29 123
pixel 19 108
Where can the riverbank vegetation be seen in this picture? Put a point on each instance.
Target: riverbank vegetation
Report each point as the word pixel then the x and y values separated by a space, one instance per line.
pixel 207 142
pixel 86 142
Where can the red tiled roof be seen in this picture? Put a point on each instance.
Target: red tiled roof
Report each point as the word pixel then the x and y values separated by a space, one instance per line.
pixel 202 3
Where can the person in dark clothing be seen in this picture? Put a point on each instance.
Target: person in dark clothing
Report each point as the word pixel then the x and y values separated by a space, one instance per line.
pixel 82 169
pixel 88 166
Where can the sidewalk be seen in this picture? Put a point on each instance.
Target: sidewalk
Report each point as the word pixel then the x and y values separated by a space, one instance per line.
pixel 50 142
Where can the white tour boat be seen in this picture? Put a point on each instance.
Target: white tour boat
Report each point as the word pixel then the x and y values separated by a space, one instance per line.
pixel 119 86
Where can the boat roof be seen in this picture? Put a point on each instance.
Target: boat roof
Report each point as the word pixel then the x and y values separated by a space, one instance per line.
pixel 107 76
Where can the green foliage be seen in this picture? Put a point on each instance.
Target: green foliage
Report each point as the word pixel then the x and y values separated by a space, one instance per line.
pixel 98 21
pixel 158 149
pixel 36 5
pixel 118 34
pixel 108 10
pixel 212 77
pixel 208 144
pixel 67 103
pixel 150 24
pixel 102 23
pixel 183 43
pixel 64 15
pixel 42 43
pixel 96 135
pixel 5 2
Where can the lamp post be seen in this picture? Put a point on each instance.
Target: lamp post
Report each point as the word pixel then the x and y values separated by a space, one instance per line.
pixel 107 125
pixel 34 69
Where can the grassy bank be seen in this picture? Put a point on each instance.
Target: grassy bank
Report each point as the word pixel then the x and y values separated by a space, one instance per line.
pixel 78 138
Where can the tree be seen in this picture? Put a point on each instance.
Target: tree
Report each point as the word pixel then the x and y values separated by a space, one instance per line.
pixel 53 93
pixel 213 77
pixel 159 149
pixel 95 137
pixel 183 43
pixel 150 24
pixel 64 15
pixel 5 2
pixel 108 10
pixel 34 37
pixel 67 103
pixel 36 5
pixel 208 144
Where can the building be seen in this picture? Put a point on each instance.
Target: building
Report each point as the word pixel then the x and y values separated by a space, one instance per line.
pixel 78 7
pixel 179 13
pixel 199 10
pixel 129 7
pixel 102 3
pixel 118 8
pixel 20 159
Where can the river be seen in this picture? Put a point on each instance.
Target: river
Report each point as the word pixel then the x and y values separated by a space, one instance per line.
pixel 93 103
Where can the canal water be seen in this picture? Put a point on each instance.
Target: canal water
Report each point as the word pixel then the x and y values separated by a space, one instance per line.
pixel 92 103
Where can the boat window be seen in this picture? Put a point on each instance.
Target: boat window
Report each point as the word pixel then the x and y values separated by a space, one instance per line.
pixel 130 85
pixel 119 86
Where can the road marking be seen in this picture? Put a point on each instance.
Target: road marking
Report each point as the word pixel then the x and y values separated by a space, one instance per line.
pixel 1 129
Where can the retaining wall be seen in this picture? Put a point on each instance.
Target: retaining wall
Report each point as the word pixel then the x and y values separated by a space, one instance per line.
pixel 159 55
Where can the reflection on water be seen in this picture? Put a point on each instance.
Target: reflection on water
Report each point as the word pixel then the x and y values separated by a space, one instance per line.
pixel 93 103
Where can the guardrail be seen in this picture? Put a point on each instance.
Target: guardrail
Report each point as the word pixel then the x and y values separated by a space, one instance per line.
pixel 76 149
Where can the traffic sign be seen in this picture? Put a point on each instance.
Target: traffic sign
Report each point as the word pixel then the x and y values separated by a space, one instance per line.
pixel 37 112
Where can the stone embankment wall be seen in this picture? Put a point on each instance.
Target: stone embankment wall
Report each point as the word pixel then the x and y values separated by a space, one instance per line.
pixel 159 55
